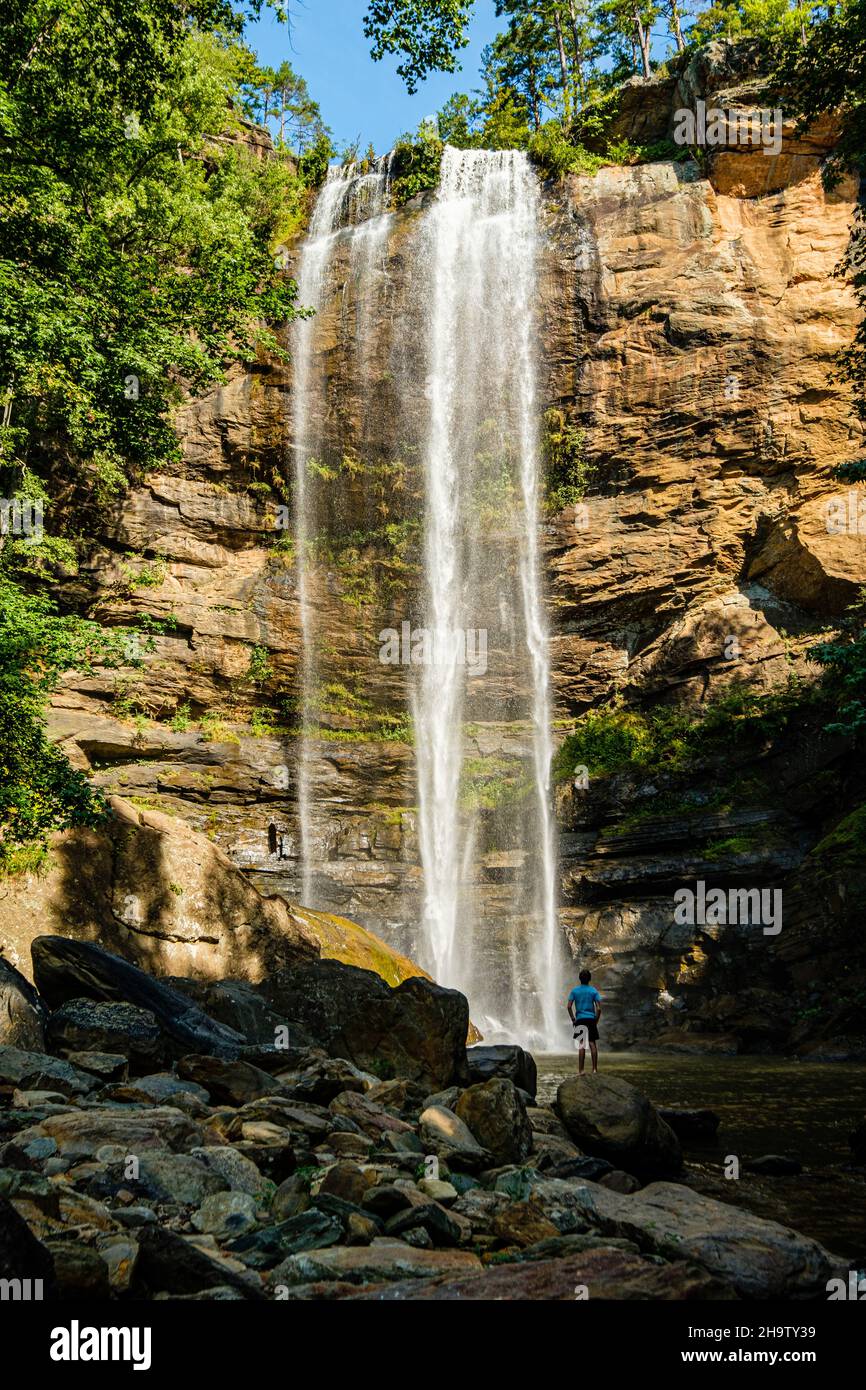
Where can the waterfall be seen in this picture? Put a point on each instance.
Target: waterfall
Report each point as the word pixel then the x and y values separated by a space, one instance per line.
pixel 482 444
pixel 351 204
pixel 453 366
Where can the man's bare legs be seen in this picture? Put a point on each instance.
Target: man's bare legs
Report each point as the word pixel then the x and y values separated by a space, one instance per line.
pixel 593 1047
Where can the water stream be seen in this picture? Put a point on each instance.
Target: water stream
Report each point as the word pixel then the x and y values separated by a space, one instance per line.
pixel 471 263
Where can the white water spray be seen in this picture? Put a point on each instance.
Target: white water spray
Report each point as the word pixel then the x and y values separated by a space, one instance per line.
pixel 482 249
pixel 345 198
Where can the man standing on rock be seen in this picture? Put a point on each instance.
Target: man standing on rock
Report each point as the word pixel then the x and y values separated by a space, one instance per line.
pixel 584 1007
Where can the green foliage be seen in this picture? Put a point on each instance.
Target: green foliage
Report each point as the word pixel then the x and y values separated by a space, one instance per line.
pixel 260 670
pixel 624 152
pixel 313 164
pixel 213 729
pixel 263 722
pixel 553 153
pixel 772 20
pixel 279 99
pixel 426 37
pixel 846 843
pixel 417 163
pixel 567 473
pixel 492 783
pixel 180 720
pixel 39 791
pixel 136 248
pixel 613 738
pixel 137 263
pixel 844 661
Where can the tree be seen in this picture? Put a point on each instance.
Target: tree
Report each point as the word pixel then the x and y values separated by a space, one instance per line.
pixel 426 34
pixel 520 60
pixel 628 30
pixel 773 20
pixel 137 242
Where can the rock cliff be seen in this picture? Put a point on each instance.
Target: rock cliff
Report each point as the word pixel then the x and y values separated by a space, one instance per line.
pixel 690 318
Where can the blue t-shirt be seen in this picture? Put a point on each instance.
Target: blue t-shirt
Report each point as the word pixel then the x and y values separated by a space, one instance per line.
pixel 583 997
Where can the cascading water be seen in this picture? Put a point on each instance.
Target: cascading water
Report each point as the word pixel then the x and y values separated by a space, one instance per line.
pixel 346 198
pixel 457 359
pixel 482 457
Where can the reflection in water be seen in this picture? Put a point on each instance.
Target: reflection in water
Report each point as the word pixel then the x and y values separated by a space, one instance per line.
pixel 766 1105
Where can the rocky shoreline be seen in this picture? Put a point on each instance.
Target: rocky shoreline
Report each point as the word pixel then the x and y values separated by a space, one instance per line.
pixel 323 1136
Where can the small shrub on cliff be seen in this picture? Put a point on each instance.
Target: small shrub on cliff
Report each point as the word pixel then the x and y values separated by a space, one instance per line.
pixel 417 163
pixel 614 738
pixel 555 155
pixel 844 662
pixel 567 472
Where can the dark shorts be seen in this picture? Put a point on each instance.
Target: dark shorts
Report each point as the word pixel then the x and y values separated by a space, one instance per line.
pixel 591 1028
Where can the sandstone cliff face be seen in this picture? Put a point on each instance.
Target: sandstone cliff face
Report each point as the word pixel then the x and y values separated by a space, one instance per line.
pixel 689 319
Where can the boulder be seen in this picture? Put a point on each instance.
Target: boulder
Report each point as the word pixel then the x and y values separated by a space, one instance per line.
pixel 160 1089
pixel 22 1256
pixel 443 1133
pixel 240 1006
pixel 387 1199
pixel 169 1264
pixel 496 1116
pixel 65 970
pixel 604 1273
pixel 178 1178
pixel 80 1271
pixel 348 1182
pixel 506 1060
pixel 85 1025
pixel 80 1133
pixel 698 1125
pixel 150 887
pixel 108 1066
pixel 857 1141
pixel 237 1171
pixel 757 1258
pixel 523 1224
pixel 442 1227
pixel 22 1013
pixel 418 1030
pixel 611 1119
pixel 34 1071
pixel 228 1082
pixel 383 1259
pixel 325 1079
pixel 374 1120
pixel 226 1214
pixel 262 1249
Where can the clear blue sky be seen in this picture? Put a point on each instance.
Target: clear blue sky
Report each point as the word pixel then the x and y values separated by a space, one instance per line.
pixel 359 97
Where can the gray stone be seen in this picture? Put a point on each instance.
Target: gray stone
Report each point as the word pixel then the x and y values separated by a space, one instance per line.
pixel 22 1013
pixel 444 1133
pixel 226 1214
